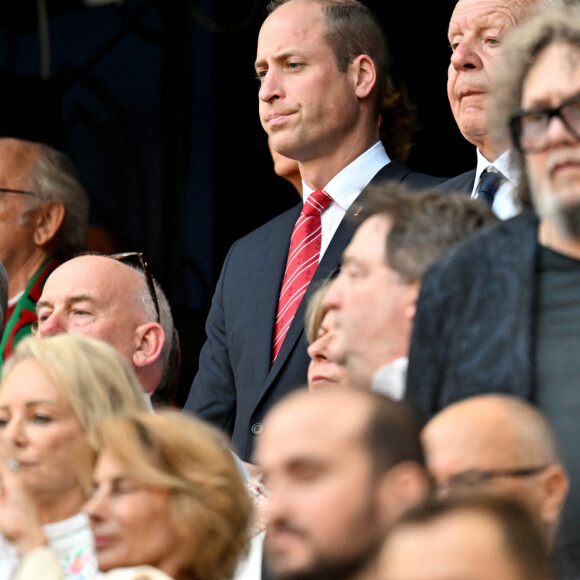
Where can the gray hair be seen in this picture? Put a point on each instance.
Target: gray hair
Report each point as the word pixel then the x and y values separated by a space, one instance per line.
pixel 559 23
pixel 54 178
pixel 144 300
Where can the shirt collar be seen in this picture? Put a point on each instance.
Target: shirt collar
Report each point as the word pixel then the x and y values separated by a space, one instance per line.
pixel 503 164
pixel 345 187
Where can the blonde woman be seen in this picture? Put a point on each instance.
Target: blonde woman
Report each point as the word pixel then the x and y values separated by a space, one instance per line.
pixel 52 391
pixel 168 502
pixel 320 328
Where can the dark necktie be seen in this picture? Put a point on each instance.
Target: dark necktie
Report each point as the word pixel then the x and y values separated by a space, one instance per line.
pixel 489 183
pixel 302 262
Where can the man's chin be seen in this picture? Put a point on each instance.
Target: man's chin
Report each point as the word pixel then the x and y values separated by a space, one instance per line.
pixel 284 563
pixel 560 210
pixel 339 568
pixel 568 221
pixel 565 217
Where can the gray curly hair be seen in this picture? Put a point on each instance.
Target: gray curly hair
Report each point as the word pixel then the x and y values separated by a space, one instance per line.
pixel 557 23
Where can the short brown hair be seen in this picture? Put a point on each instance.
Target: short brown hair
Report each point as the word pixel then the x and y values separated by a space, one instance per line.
pixel 392 433
pixel 424 225
pixel 522 48
pixel 523 539
pixel 353 29
pixel 209 505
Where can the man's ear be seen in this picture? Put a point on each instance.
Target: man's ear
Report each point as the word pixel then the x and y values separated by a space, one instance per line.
pixel 48 218
pixel 403 487
pixel 365 75
pixel 554 485
pixel 411 306
pixel 149 341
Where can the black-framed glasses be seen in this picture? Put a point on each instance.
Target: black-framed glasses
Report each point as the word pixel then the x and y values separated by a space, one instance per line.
pixel 19 191
pixel 138 259
pixel 474 477
pixel 529 128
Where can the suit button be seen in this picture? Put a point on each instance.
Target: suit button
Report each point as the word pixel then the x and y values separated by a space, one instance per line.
pixel 257 428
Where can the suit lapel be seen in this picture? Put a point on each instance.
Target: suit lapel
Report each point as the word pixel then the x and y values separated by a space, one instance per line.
pixel 395 171
pixel 267 293
pixel 462 183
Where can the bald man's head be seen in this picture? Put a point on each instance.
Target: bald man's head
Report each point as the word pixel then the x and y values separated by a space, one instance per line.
pixel 104 298
pixel 498 444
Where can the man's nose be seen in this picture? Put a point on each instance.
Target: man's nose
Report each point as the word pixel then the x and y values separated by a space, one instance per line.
pixel 558 133
pixel 270 86
pixel 466 55
pixel 50 326
pixel 316 350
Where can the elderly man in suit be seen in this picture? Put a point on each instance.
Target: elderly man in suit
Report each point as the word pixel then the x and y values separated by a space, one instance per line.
pixel 323 68
pixel 476 32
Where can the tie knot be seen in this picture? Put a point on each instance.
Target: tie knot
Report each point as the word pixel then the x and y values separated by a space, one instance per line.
pixel 489 183
pixel 316 203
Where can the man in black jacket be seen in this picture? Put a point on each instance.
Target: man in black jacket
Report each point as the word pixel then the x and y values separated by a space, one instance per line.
pixel 501 313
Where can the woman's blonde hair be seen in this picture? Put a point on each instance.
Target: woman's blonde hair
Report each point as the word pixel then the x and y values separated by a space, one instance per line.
pixel 315 311
pixel 209 504
pixel 92 375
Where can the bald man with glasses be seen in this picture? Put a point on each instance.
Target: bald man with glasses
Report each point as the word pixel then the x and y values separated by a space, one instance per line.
pixel 502 313
pixel 499 445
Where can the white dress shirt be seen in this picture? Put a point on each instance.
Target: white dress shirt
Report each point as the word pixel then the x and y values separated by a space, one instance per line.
pixel 391 379
pixel 345 187
pixel 504 205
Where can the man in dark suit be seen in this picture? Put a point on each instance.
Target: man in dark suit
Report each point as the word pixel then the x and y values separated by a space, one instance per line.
pixel 475 35
pixel 319 102
pixel 501 313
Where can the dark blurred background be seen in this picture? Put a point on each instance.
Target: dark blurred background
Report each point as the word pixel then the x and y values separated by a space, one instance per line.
pixel 156 103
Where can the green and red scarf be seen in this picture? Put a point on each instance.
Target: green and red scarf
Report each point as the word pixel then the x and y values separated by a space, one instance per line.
pixel 22 315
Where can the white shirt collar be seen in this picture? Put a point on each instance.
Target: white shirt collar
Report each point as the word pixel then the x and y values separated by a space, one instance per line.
pixel 503 163
pixel 504 204
pixel 345 187
pixel 390 379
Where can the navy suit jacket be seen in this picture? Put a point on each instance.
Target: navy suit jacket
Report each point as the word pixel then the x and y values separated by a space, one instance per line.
pixel 460 183
pixel 236 384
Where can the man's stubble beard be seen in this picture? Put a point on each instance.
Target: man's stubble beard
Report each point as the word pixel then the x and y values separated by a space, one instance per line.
pixel 340 566
pixel 562 214
pixel 564 217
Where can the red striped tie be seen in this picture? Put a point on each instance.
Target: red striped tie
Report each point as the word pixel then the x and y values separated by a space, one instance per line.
pixel 302 262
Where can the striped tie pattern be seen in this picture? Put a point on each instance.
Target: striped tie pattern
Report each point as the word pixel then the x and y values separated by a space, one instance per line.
pixel 302 262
